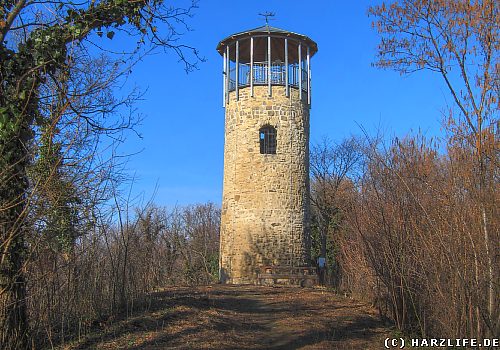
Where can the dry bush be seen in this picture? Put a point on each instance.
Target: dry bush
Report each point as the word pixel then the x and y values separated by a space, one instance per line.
pixel 110 271
pixel 417 225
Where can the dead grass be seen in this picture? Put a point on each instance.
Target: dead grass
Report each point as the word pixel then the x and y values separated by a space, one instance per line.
pixel 244 317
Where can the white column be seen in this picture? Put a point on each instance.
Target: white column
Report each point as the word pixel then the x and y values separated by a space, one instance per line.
pixel 251 66
pixel 224 77
pixel 269 65
pixel 228 74
pixel 287 88
pixel 237 78
pixel 300 70
pixel 308 77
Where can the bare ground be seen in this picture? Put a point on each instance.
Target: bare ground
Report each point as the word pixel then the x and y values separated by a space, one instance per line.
pixel 244 317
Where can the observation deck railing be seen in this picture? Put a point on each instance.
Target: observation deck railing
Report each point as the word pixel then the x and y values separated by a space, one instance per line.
pixel 261 75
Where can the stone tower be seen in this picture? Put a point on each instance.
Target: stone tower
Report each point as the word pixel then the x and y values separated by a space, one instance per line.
pixel 265 204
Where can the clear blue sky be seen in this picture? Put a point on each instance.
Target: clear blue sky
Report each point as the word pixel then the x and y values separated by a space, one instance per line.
pixel 183 128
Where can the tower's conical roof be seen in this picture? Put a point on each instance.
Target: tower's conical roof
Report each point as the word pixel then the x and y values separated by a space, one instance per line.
pixel 267 30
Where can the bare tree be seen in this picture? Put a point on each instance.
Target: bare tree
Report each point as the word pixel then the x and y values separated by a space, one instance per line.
pixel 460 40
pixel 36 50
pixel 334 168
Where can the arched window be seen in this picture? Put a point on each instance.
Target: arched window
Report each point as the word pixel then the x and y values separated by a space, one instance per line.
pixel 267 138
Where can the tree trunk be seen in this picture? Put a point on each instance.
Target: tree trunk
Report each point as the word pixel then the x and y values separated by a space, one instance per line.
pixel 13 319
pixel 13 192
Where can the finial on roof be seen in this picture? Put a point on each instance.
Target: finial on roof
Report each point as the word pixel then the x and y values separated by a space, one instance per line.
pixel 267 14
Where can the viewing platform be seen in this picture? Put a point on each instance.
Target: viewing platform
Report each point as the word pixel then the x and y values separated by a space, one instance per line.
pixel 261 71
pixel 267 56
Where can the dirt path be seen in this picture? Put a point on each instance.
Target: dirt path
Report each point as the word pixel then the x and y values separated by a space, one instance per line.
pixel 245 317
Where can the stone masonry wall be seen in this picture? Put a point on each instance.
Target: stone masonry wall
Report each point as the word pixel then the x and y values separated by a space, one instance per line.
pixel 265 196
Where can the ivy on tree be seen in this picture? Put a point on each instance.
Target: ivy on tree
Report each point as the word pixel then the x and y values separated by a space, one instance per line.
pixel 34 47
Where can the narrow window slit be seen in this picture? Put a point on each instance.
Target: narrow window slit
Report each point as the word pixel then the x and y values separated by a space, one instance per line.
pixel 267 138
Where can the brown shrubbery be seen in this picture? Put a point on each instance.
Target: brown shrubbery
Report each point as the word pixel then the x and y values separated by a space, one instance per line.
pixel 419 235
pixel 110 270
pixel 420 229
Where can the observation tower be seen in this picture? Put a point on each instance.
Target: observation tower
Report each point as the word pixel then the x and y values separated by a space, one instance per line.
pixel 265 204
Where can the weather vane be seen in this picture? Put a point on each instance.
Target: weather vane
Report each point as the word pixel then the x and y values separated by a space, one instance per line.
pixel 267 14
